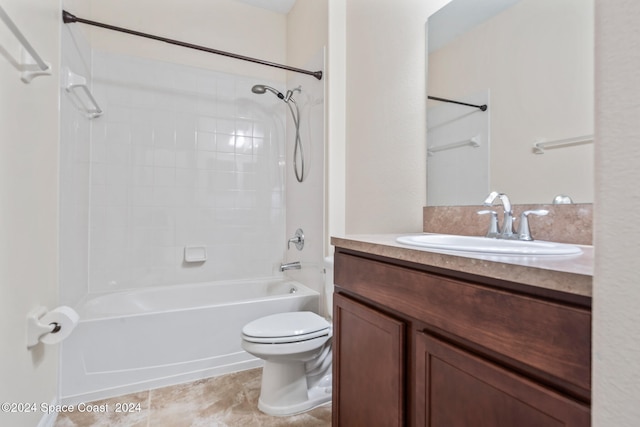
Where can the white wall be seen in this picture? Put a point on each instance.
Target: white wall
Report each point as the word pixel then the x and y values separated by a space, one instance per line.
pixel 28 209
pixel 616 316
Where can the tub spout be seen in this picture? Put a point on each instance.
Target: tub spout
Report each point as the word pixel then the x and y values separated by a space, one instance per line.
pixel 290 266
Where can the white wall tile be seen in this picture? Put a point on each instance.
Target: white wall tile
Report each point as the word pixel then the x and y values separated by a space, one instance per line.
pixel 175 163
pixel 142 155
pixel 206 140
pixel 141 133
pixel 164 157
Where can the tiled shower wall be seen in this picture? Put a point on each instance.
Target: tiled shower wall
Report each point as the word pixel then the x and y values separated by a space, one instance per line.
pixel 183 157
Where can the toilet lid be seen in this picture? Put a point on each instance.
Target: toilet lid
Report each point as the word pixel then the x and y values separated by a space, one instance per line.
pixel 297 324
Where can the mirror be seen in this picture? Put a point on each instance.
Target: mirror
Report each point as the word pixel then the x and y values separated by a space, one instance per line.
pixel 532 63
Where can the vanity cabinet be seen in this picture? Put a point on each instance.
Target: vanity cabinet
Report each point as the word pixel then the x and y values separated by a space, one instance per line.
pixel 370 346
pixel 421 346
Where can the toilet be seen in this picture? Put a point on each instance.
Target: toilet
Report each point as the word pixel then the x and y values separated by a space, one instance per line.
pixel 296 349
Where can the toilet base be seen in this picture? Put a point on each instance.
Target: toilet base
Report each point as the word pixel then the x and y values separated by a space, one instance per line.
pixel 285 389
pixel 317 397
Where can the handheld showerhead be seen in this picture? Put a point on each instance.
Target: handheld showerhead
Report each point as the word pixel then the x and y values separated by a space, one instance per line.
pixel 295 114
pixel 260 89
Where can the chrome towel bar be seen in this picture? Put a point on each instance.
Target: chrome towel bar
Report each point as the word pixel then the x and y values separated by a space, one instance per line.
pixel 540 145
pixel 471 142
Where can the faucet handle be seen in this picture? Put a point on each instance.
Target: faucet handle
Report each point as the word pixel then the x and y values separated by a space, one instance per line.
pixel 493 222
pixel 524 233
pixel 298 240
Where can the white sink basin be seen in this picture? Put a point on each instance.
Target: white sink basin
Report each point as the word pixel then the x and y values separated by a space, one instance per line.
pixel 484 245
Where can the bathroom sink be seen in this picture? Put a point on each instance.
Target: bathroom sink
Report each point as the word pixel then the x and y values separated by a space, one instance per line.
pixel 484 245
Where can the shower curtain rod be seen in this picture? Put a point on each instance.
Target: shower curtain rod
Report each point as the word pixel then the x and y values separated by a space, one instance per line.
pixel 481 107
pixel 70 18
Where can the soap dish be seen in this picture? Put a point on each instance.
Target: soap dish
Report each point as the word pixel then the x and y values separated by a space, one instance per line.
pixel 195 253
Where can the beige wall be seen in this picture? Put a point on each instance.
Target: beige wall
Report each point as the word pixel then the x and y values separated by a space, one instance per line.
pixel 28 209
pixel 225 25
pixel 385 114
pixel 307 31
pixel 616 307
pixel 335 76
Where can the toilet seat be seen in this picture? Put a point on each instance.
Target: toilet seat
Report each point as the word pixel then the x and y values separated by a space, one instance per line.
pixel 285 328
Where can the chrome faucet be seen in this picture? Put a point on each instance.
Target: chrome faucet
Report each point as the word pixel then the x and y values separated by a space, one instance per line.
pixel 524 233
pixel 290 266
pixel 493 223
pixel 506 232
pixel 297 239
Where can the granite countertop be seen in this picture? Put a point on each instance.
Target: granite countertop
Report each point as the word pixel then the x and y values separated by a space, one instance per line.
pixel 571 274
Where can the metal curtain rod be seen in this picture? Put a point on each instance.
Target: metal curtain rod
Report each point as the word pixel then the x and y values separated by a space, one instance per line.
pixel 481 107
pixel 70 18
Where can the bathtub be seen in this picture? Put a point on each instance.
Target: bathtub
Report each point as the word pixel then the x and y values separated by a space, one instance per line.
pixel 136 340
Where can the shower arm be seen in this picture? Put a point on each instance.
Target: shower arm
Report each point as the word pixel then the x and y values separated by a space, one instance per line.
pixel 68 18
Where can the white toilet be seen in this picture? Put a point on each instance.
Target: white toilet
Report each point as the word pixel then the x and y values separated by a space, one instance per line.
pixel 296 349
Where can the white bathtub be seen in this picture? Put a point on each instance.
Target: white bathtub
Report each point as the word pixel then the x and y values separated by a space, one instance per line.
pixel 141 339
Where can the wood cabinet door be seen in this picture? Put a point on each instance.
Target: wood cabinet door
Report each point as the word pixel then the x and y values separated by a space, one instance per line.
pixel 455 388
pixel 368 366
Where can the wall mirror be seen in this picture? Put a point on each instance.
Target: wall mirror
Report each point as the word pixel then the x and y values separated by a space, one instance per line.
pixel 532 63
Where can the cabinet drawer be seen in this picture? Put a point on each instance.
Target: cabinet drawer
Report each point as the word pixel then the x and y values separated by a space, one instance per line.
pixel 548 339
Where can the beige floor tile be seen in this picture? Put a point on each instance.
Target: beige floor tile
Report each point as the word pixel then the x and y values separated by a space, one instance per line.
pixel 225 401
pixel 131 410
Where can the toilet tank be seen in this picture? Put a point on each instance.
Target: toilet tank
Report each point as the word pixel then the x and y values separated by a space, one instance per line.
pixel 328 286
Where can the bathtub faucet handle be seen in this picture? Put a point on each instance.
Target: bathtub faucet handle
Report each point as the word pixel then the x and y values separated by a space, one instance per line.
pixel 297 239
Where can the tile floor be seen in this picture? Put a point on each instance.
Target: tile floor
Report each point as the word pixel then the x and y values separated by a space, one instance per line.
pixel 226 401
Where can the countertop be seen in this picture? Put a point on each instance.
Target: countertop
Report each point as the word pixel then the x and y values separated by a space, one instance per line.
pixel 572 274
